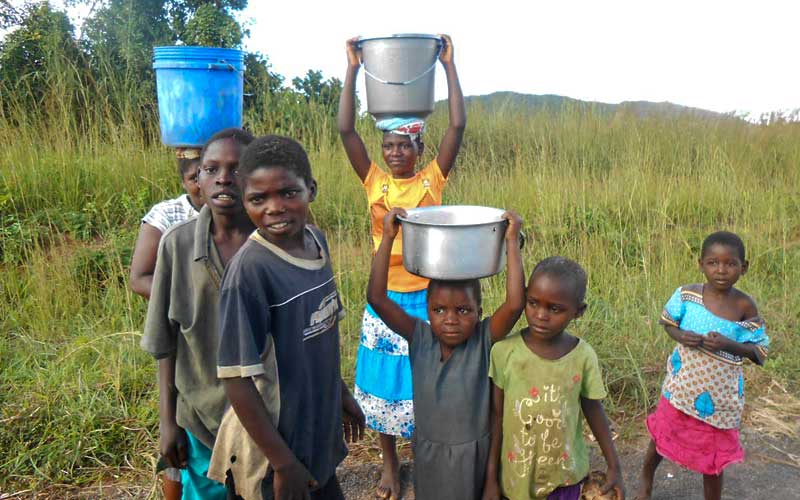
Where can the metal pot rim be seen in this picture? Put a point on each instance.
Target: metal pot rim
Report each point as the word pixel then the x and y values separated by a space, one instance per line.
pixel 412 211
pixel 423 36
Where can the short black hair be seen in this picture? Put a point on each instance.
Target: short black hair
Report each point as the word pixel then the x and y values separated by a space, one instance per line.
pixel 566 270
pixel 276 151
pixel 474 285
pixel 188 164
pixel 241 136
pixel 726 238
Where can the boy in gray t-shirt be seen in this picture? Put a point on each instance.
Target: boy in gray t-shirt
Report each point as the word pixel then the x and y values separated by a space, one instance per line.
pixel 279 313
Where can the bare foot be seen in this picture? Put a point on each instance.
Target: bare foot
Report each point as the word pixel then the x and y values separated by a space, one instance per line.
pixel 389 486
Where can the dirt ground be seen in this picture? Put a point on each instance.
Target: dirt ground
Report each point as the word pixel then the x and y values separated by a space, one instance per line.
pixel 771 471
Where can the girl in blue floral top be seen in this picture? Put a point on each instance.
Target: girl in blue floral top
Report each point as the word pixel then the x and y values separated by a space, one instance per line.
pixel 696 423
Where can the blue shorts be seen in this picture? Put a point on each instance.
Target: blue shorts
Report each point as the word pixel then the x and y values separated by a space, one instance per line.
pixel 196 486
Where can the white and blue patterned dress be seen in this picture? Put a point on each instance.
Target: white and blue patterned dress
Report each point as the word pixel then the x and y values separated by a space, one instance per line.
pixel 383 385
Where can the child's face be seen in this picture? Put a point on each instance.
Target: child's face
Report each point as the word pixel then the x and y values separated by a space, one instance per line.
pixel 453 312
pixel 217 178
pixel 400 154
pixel 276 200
pixel 722 266
pixel 190 185
pixel 550 306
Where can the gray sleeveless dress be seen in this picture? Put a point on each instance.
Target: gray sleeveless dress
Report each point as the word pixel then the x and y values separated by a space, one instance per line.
pixel 451 410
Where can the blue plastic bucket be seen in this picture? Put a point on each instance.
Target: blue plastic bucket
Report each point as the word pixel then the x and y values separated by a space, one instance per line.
pixel 200 91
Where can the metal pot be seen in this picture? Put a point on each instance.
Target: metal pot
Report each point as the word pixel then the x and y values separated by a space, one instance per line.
pixel 400 71
pixel 455 242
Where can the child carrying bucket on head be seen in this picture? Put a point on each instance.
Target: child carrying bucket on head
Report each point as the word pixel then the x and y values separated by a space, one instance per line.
pixel 161 217
pixel 449 365
pixel 696 422
pixel 383 374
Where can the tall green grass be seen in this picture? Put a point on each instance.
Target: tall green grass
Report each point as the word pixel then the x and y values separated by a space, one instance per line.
pixel 630 198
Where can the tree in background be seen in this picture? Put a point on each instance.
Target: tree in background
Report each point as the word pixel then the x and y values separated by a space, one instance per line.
pixel 210 26
pixel 314 88
pixel 29 54
pixel 108 78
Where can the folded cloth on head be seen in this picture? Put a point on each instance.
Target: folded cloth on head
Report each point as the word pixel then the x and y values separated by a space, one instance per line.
pixel 187 153
pixel 411 126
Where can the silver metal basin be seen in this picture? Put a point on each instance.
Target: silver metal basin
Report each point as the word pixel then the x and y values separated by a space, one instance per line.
pixel 454 242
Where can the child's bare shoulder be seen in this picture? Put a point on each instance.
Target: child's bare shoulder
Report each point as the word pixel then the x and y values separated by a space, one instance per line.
pixel 746 305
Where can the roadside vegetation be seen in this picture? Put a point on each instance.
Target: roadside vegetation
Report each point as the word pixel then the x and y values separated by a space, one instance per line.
pixel 629 197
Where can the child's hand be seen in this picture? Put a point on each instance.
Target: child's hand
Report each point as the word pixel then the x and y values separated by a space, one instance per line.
pixel 353 419
pixel 353 52
pixel 690 339
pixel 491 490
pixel 391 225
pixel 173 445
pixel 514 226
pixel 293 482
pixel 614 482
pixel 715 341
pixel 446 55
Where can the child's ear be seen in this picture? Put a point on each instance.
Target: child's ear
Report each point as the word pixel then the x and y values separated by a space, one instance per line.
pixel 420 148
pixel 313 189
pixel 581 310
pixel 745 266
pixel 480 312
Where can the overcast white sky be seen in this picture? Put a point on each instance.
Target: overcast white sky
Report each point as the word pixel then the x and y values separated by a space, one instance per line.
pixel 720 55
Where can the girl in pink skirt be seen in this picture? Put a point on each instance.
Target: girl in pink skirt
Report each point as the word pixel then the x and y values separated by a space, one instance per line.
pixel 696 422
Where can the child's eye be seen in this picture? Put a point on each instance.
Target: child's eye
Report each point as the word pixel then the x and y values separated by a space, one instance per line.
pixel 463 310
pixel 255 200
pixel 290 194
pixel 438 310
pixel 210 170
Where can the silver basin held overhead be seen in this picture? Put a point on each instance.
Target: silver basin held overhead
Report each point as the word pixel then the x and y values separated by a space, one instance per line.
pixel 454 242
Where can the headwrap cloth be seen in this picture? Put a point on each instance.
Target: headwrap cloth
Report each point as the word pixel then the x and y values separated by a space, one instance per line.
pixel 187 153
pixel 412 127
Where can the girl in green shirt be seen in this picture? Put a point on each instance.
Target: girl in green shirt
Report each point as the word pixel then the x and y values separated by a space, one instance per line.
pixel 544 378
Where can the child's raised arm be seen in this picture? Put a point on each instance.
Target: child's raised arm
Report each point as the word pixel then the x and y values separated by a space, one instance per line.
pixel 346 121
pixel 598 423
pixel 392 314
pixel 506 316
pixel 451 142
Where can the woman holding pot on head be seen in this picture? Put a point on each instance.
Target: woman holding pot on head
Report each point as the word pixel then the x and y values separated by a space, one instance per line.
pixel 383 372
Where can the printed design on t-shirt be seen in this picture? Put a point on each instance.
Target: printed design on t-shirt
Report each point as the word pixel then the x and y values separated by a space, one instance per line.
pixel 539 443
pixel 324 318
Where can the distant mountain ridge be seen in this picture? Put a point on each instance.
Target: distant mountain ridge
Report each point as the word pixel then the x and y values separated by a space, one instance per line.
pixel 536 102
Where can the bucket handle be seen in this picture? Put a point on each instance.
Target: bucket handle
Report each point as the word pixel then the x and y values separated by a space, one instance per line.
pixel 222 64
pixel 407 82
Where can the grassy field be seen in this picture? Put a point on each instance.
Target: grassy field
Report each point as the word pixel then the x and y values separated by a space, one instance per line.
pixel 630 198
